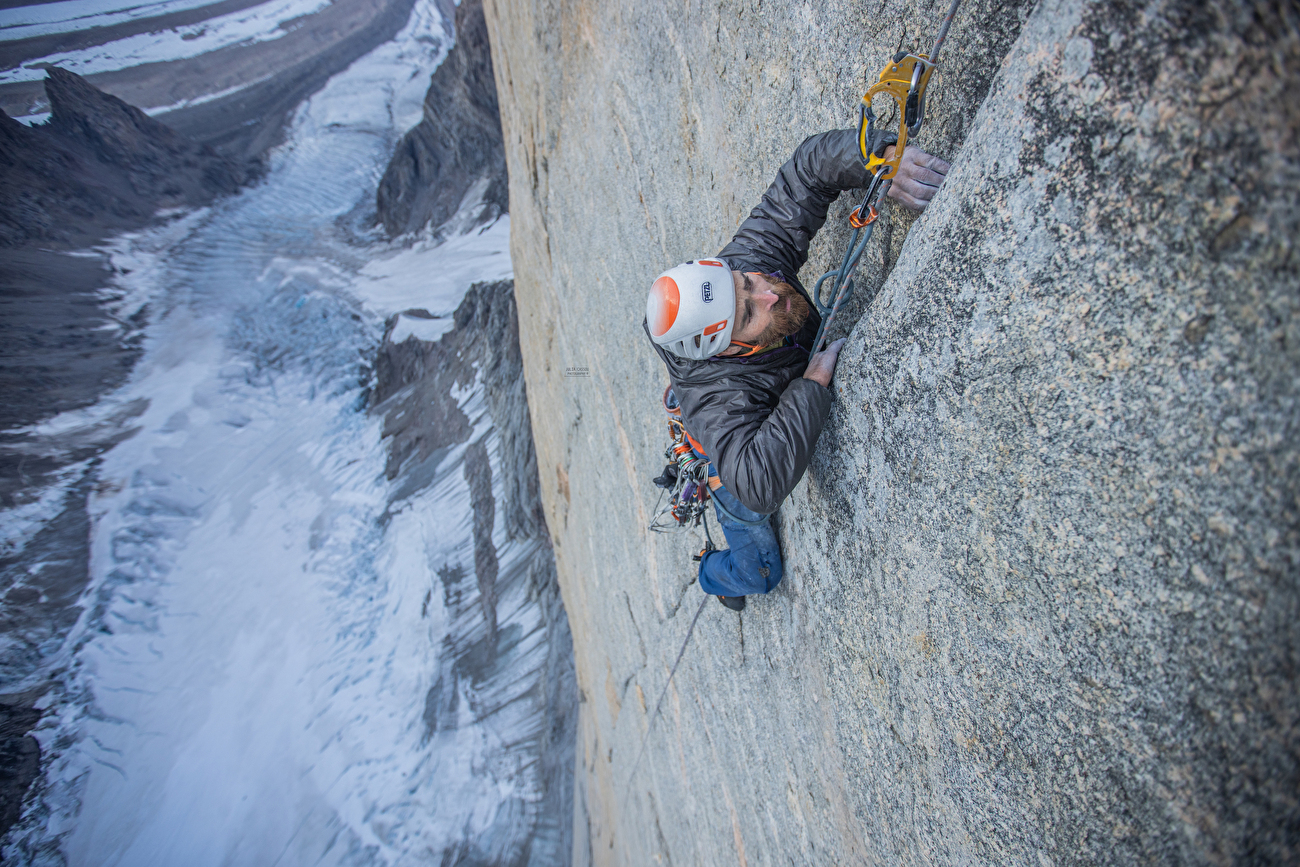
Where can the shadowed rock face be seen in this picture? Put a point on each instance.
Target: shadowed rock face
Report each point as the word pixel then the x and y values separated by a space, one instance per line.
pixel 1041 603
pixel 417 389
pixel 414 381
pixel 59 350
pixel 20 756
pixel 456 145
pixel 99 164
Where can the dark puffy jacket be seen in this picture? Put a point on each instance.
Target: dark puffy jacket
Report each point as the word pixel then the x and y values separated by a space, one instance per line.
pixel 758 418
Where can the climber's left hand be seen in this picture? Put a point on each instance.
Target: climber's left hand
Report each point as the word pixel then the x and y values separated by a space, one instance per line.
pixel 918 179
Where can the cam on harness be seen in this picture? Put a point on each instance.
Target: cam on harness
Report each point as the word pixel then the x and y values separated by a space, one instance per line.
pixel 687 480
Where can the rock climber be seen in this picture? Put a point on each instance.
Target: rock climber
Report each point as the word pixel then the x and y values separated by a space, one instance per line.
pixel 735 333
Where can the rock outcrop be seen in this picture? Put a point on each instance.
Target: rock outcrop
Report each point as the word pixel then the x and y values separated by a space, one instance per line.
pixel 99 165
pixel 456 150
pixel 419 388
pixel 1041 603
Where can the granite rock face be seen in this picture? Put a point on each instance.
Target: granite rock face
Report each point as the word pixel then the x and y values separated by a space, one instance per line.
pixel 456 150
pixel 100 165
pixel 1041 603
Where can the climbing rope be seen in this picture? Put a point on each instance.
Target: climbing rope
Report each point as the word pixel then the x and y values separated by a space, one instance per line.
pixel 905 78
pixel 690 630
pixel 686 479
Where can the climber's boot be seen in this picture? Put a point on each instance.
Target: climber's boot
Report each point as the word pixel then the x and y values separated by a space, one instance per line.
pixel 735 603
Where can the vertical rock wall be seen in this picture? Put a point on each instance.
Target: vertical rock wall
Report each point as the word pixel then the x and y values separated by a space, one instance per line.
pixel 1040 604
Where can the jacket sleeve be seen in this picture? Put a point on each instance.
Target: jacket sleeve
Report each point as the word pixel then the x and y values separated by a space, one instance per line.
pixel 763 452
pixel 780 228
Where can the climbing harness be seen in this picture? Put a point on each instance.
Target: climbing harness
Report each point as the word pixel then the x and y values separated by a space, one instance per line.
pixel 905 78
pixel 685 478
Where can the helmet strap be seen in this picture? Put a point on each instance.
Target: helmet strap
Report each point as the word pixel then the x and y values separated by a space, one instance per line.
pixel 754 349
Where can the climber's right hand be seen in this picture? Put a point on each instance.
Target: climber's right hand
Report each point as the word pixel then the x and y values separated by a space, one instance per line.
pixel 918 179
pixel 822 365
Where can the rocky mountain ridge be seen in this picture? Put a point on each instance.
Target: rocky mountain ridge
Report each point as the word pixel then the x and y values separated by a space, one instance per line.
pixel 99 165
pixel 456 150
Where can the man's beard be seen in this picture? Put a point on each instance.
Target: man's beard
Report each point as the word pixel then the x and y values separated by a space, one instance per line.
pixel 784 322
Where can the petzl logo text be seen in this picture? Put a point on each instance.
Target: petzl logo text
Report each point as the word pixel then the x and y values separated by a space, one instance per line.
pixel 707 291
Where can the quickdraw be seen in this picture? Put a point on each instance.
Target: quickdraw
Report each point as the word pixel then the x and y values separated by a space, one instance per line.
pixel 905 78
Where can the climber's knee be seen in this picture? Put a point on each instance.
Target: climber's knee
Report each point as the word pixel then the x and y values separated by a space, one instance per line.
pixel 775 571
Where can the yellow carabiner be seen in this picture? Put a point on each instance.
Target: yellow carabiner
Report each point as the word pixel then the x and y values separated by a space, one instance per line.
pixel 905 78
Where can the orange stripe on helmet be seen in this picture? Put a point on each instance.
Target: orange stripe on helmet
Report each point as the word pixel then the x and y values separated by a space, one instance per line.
pixel 664 301
pixel 715 327
pixel 712 262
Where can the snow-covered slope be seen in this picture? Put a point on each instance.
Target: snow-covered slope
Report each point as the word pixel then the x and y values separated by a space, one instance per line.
pixel 283 653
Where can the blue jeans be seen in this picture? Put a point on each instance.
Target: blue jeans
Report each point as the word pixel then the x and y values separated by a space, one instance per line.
pixel 752 563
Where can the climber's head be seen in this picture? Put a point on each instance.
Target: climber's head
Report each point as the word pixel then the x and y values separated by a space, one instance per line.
pixel 703 308
pixel 767 309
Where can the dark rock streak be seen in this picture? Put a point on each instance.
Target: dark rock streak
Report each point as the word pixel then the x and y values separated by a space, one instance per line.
pixel 415 381
pixel 457 144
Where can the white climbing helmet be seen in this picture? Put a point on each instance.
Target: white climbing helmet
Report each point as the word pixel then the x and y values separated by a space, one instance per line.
pixel 692 308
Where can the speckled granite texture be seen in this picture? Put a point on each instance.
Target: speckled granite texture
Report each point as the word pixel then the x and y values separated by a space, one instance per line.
pixel 1041 602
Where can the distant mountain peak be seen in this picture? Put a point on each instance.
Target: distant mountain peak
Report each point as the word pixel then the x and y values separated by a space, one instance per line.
pixel 98 165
